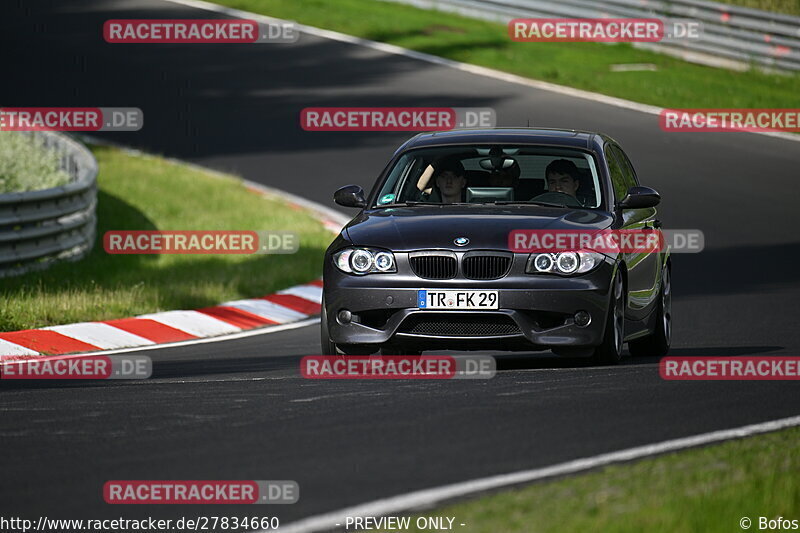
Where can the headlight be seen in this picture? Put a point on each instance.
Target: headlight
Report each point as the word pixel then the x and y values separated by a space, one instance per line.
pixel 568 262
pixel 564 263
pixel 364 261
pixel 361 261
pixel 384 261
pixel 543 262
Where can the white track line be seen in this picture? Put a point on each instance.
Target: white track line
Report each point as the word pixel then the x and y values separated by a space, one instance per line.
pixel 426 498
pixel 465 67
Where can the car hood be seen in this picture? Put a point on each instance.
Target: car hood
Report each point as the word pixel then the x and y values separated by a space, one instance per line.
pixel 423 227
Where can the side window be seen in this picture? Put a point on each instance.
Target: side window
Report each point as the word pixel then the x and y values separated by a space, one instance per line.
pixel 617 175
pixel 395 179
pixel 627 168
pixel 409 191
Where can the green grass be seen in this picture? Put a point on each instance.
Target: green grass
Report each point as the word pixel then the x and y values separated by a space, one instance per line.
pixel 145 192
pixel 790 7
pixel 702 490
pixel 582 65
pixel 26 165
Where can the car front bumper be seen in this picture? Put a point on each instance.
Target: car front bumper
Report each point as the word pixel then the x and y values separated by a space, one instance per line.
pixel 535 311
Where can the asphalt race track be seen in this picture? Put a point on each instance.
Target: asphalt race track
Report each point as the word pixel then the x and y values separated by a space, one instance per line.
pixel 239 409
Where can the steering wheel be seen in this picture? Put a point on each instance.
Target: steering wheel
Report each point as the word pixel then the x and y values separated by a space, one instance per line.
pixel 558 198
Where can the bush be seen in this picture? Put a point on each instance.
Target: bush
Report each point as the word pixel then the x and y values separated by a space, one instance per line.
pixel 26 165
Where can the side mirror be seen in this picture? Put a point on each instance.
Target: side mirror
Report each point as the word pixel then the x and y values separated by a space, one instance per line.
pixel 350 196
pixel 640 198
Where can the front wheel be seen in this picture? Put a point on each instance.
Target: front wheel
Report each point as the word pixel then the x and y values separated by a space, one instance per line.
pixel 610 350
pixel 328 347
pixel 657 344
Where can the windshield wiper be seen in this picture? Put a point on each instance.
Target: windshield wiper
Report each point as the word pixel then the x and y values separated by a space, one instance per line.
pixel 519 202
pixel 411 203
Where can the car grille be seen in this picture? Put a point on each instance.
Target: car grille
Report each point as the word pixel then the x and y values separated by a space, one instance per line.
pixel 456 325
pixel 434 266
pixel 485 266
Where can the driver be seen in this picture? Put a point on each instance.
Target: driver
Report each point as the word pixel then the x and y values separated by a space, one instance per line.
pixel 451 181
pixel 562 176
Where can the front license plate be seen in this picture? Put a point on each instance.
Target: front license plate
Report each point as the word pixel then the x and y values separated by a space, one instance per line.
pixel 435 299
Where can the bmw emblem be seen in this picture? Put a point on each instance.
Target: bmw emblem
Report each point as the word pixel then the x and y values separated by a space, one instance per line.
pixel 461 241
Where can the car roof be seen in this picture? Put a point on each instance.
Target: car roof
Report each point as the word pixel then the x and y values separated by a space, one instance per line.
pixel 542 136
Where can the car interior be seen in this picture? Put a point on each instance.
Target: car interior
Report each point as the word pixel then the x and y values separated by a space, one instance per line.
pixel 490 194
pixel 530 184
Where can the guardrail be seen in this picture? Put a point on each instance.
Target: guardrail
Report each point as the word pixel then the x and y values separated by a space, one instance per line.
pixel 40 227
pixel 733 37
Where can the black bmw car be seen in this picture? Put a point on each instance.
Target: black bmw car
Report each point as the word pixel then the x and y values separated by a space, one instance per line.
pixel 426 264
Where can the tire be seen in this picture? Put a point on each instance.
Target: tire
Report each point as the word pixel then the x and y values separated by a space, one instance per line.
pixel 356 349
pixel 610 350
pixel 391 349
pixel 328 347
pixel 657 344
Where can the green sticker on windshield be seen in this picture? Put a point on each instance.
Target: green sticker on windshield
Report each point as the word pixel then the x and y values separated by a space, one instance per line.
pixel 387 199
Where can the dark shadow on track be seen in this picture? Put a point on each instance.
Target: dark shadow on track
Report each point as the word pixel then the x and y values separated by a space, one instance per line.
pixel 730 271
pixel 173 370
pixel 539 360
pixel 183 369
pixel 546 360
pixel 717 351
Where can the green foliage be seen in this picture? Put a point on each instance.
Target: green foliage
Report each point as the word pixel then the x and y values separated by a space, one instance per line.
pixel 26 165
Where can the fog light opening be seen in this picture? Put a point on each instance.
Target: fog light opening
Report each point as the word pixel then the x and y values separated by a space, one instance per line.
pixel 582 319
pixel 344 316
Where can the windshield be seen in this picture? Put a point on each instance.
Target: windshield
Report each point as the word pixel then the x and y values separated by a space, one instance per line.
pixel 493 174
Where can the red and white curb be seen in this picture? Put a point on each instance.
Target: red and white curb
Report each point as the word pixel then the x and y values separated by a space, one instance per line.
pixel 289 305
